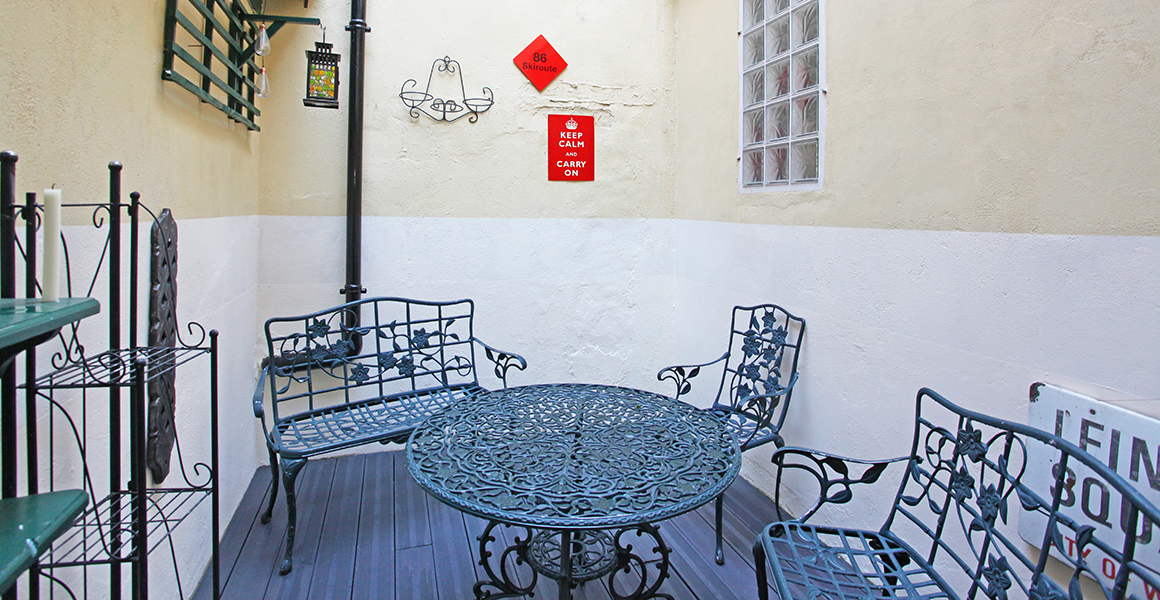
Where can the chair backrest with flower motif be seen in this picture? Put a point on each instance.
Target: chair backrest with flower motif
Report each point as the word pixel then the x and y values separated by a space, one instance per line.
pixel 761 368
pixel 981 494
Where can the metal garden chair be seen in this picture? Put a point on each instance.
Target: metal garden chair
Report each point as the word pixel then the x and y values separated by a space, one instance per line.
pixel 758 374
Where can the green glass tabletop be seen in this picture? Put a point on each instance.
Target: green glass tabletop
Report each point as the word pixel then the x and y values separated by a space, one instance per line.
pixel 23 319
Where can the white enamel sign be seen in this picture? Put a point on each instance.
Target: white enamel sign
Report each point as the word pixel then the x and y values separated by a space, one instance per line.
pixel 1125 440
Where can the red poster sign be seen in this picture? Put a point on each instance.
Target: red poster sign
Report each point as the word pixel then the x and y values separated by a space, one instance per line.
pixel 570 148
pixel 540 63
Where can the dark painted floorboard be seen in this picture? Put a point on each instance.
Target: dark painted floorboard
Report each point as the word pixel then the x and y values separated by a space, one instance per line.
pixel 334 567
pixel 374 564
pixel 411 525
pixel 235 534
pixel 367 531
pixel 454 567
pixel 314 486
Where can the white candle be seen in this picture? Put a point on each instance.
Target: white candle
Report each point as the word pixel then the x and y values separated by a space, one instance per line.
pixel 50 282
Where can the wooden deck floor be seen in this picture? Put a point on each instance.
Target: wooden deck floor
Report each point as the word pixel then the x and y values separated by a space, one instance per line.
pixel 367 531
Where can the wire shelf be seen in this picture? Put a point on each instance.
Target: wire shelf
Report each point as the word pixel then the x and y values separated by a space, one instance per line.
pixel 115 367
pixel 104 533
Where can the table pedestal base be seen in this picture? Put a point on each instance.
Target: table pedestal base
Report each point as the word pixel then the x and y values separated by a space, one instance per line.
pixel 573 558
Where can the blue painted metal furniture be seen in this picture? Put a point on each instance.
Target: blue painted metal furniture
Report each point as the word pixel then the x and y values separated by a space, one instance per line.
pixel 586 470
pixel 967 497
pixel 333 385
pixel 757 378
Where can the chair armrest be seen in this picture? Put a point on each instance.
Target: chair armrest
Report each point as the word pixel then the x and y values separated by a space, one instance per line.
pixel 503 361
pixel 832 473
pixel 681 374
pixel 260 392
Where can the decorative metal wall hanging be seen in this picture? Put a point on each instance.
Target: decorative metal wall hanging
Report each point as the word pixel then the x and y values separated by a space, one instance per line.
pixel 162 389
pixel 441 109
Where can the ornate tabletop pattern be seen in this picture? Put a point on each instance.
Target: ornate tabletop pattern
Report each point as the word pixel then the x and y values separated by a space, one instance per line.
pixel 573 456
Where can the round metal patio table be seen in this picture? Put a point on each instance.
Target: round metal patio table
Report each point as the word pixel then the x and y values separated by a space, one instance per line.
pixel 586 470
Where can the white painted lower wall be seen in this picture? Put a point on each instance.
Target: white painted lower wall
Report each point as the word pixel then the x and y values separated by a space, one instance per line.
pixel 978 317
pixel 580 299
pixel 217 280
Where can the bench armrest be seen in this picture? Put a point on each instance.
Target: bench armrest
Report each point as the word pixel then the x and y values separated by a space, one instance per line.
pixel 681 374
pixel 260 392
pixel 833 474
pixel 503 361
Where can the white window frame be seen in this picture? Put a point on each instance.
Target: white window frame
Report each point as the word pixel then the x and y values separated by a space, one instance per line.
pixel 744 106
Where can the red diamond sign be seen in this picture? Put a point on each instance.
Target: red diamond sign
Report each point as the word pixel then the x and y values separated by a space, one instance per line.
pixel 540 63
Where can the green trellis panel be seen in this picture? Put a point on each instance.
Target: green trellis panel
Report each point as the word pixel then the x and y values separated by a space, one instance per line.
pixel 225 73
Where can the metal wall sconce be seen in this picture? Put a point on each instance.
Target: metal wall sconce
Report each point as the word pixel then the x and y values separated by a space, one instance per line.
pixel 441 109
pixel 322 76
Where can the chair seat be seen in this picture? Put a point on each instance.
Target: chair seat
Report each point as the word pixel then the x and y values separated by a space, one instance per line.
pixel 832 563
pixel 377 419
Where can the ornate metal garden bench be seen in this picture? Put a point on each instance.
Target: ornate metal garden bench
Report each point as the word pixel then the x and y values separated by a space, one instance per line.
pixel 758 372
pixel 967 520
pixel 366 371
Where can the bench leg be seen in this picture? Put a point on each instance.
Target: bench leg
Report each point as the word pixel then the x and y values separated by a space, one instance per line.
pixel 759 563
pixel 273 486
pixel 720 502
pixel 290 470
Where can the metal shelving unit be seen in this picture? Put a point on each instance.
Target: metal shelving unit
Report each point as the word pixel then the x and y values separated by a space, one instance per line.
pixel 86 397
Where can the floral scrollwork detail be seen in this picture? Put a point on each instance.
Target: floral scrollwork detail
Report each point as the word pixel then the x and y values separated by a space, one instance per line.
pixel 406 366
pixel 318 329
pixel 760 367
pixel 962 485
pixel 360 373
pixel 970 443
pixel 1045 589
pixel 991 505
pixel 998 581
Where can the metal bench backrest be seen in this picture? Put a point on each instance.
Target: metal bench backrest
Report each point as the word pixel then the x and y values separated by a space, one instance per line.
pixel 399 346
pixel 764 342
pixel 965 501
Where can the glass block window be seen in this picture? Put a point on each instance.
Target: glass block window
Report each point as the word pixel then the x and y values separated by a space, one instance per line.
pixel 781 101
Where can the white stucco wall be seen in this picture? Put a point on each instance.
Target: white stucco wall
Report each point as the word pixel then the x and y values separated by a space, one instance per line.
pixel 978 317
pixel 580 299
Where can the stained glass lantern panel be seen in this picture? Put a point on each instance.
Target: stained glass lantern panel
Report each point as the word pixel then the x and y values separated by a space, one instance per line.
pixel 321 77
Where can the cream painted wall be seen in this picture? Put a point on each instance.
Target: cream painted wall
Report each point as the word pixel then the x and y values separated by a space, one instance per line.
pixel 81 86
pixel 965 116
pixel 620 71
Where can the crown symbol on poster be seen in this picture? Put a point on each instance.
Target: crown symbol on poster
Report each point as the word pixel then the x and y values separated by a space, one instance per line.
pixel 571 124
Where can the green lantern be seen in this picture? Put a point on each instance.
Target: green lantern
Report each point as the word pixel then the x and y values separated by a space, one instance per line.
pixel 321 76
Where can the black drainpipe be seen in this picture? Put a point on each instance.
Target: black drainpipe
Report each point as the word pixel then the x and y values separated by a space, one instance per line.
pixel 354 161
